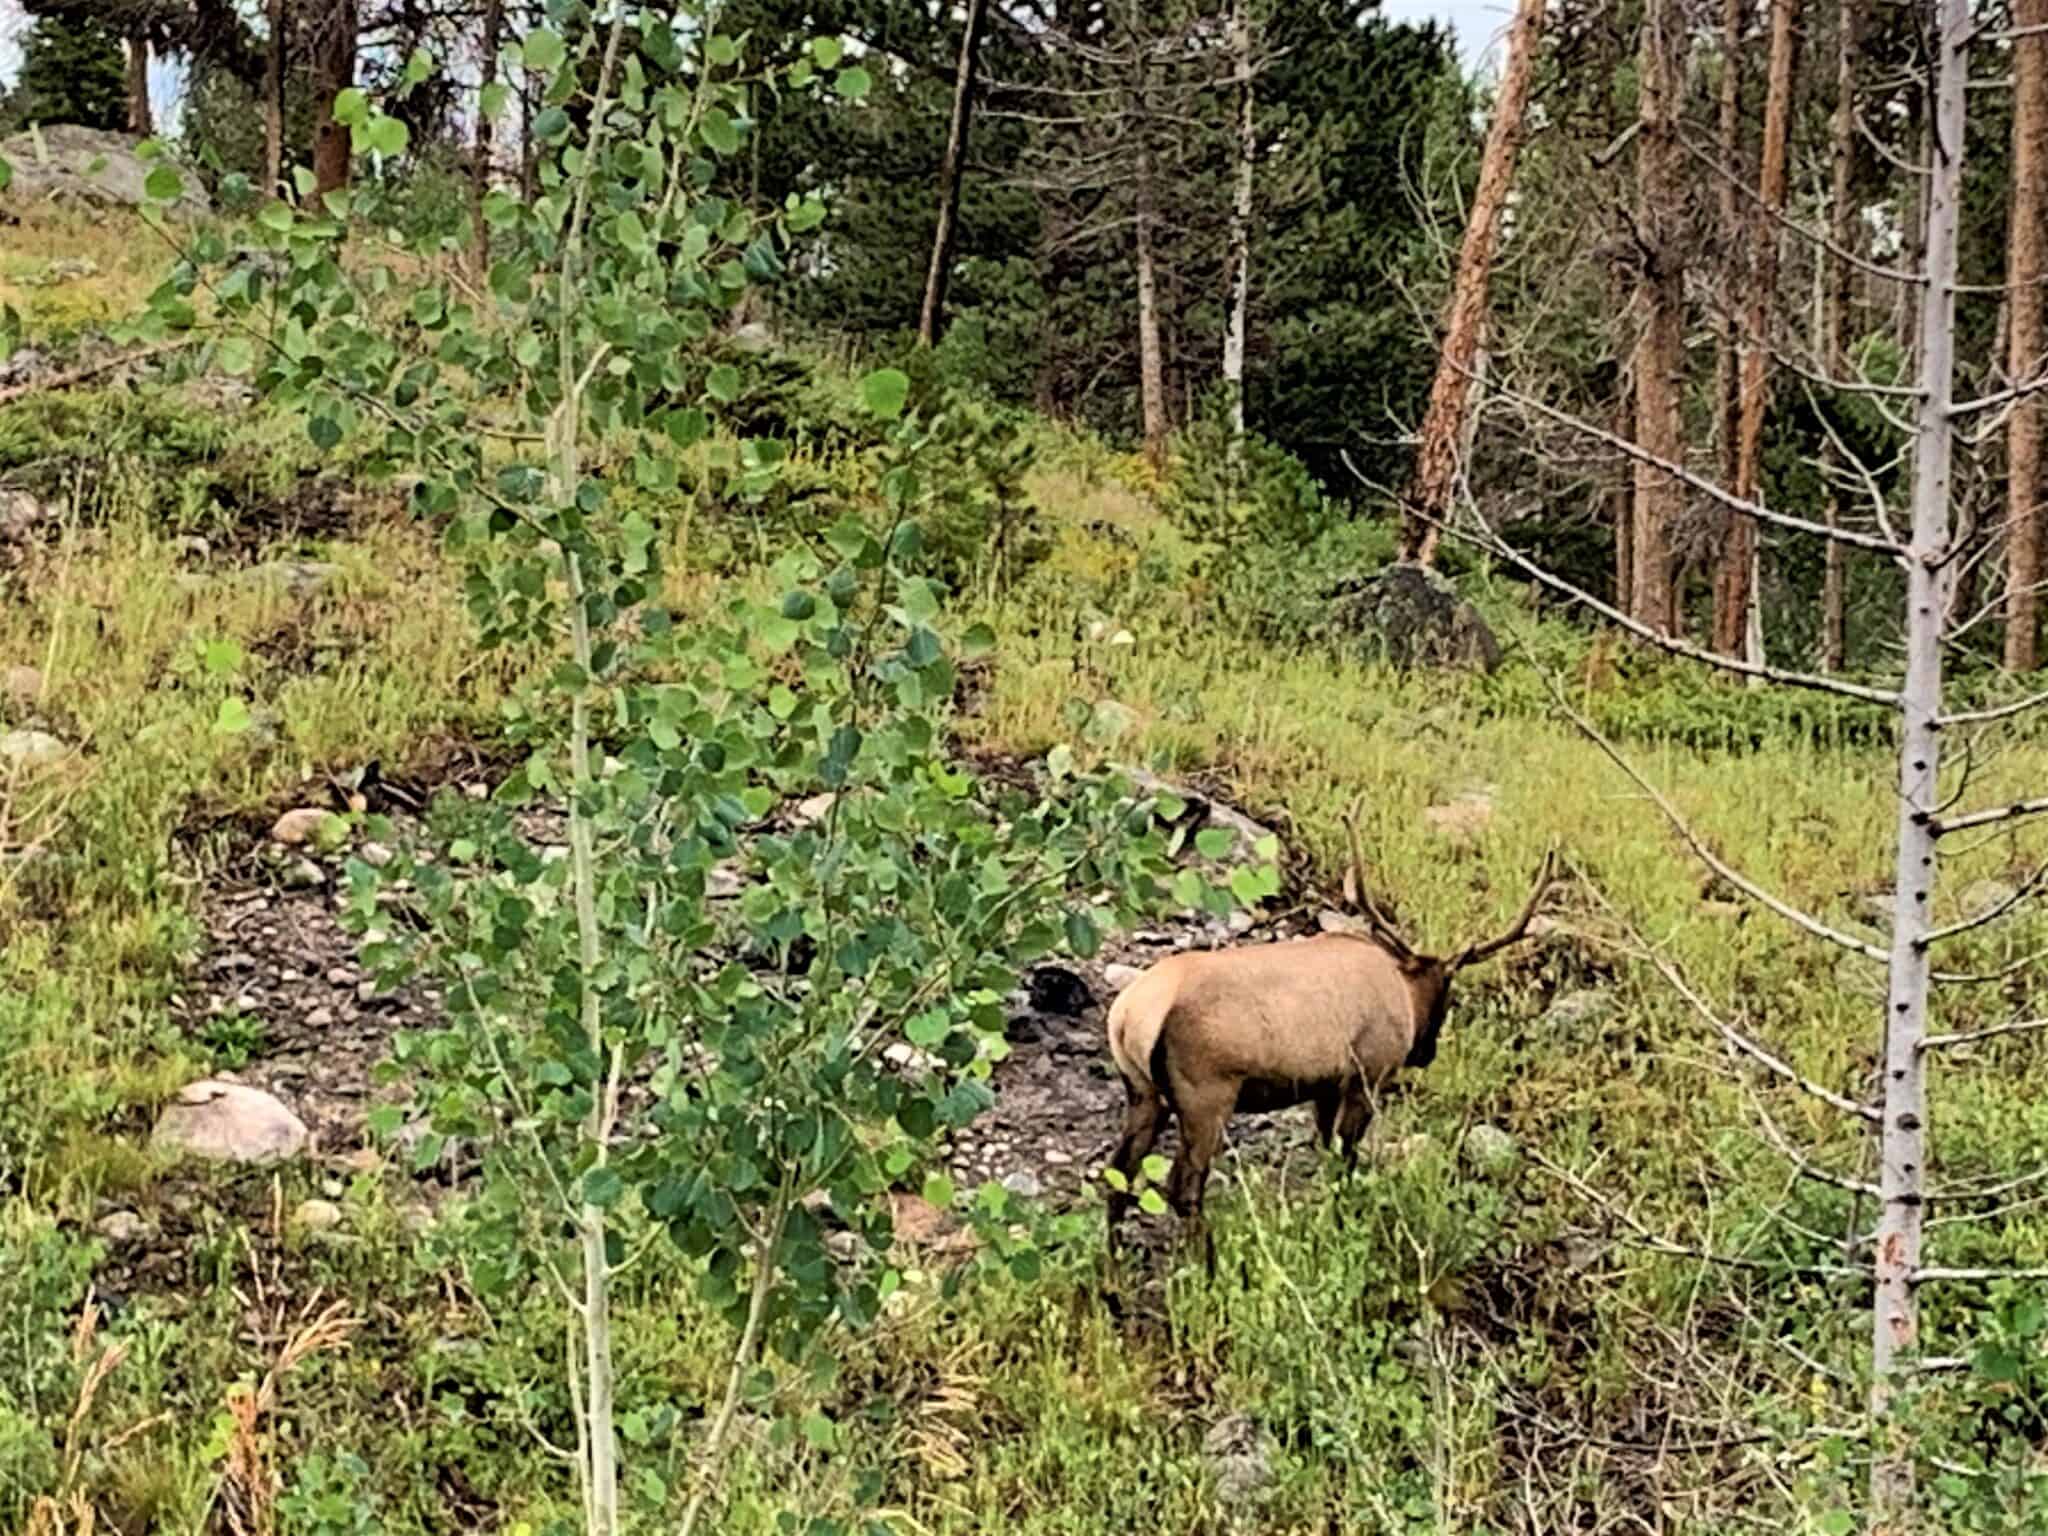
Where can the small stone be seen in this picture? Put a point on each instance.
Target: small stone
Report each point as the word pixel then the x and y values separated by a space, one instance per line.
pixel 1332 921
pixel 1490 1149
pixel 908 1058
pixel 1117 976
pixel 477 791
pixel 302 875
pixel 122 1227
pixel 722 881
pixel 340 976
pixel 1240 923
pixel 316 1216
pixel 376 855
pixel 816 808
pixel 366 991
pixel 1024 1184
pixel 221 1121
pixel 1055 1158
pixel 31 749
pixel 320 1018
pixel 24 685
pixel 299 826
pixel 1239 1458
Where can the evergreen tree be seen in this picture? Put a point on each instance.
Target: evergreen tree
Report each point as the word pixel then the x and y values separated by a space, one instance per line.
pixel 72 71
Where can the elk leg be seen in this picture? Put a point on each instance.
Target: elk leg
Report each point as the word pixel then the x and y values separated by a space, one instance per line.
pixel 1327 1101
pixel 1351 1124
pixel 1143 1117
pixel 1203 1112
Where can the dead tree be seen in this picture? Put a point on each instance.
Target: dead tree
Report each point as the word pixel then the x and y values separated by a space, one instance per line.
pixel 1443 423
pixel 2026 271
pixel 949 177
pixel 1660 304
pixel 273 97
pixel 1245 156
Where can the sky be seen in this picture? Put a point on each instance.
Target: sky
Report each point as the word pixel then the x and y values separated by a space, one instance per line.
pixel 1479 25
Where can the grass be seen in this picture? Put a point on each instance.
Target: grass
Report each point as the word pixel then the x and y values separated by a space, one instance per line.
pixel 1435 1346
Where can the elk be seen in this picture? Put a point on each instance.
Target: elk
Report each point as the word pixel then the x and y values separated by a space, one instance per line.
pixel 1260 1027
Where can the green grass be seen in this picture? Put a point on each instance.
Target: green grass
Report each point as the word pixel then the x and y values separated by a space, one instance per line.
pixel 1427 1348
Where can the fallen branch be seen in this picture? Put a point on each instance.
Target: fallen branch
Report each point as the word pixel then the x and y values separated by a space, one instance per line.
pixel 67 379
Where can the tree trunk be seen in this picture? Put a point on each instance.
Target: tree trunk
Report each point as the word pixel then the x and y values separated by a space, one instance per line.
pixel 1838 296
pixel 480 151
pixel 1734 241
pixel 2026 269
pixel 1737 631
pixel 949 178
pixel 1240 245
pixel 1151 364
pixel 273 98
pixel 1621 502
pixel 1660 352
pixel 140 119
pixel 334 72
pixel 1902 1163
pixel 1436 458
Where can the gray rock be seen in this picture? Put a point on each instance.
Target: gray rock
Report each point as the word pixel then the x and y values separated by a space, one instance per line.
pixel 302 875
pixel 122 1228
pixel 722 881
pixel 1116 976
pixel 320 1018
pixel 1240 1459
pixel 316 1216
pixel 299 826
pixel 1204 811
pixel 1491 1150
pixel 1413 617
pixel 376 855
pixel 1024 1184
pixel 225 1122
pixel 298 577
pixel 816 808
pixel 24 685
pixel 31 749
pixel 64 163
pixel 1055 1158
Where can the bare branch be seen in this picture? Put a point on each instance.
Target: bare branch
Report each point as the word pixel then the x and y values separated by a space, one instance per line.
pixel 1990 914
pixel 1997 712
pixel 1923 1275
pixel 1972 1036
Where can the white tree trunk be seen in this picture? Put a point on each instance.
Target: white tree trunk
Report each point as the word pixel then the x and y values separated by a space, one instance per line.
pixel 1895 1322
pixel 1240 241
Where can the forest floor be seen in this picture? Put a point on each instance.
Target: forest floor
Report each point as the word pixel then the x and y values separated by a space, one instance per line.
pixel 1500 1333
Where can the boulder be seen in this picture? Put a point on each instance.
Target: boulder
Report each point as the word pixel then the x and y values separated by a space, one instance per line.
pixel 226 1122
pixel 64 163
pixel 1491 1150
pixel 1415 618
pixel 31 749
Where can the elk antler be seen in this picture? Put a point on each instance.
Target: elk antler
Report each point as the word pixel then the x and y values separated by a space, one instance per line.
pixel 1356 893
pixel 1471 954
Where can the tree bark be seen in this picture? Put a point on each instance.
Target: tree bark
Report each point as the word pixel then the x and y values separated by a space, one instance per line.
pixel 1902 1162
pixel 1835 302
pixel 1436 458
pixel 480 151
pixel 273 98
pixel 1240 244
pixel 140 119
pixel 949 178
pixel 334 72
pixel 1660 299
pixel 1151 363
pixel 1734 230
pixel 2026 269
pixel 1737 626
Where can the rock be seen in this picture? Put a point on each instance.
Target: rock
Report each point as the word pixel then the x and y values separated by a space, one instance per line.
pixel 320 1018
pixel 1331 921
pixel 121 1228
pixel 340 976
pixel 302 875
pixel 227 1122
pixel 63 163
pixel 722 882
pixel 1203 811
pixel 31 749
pixel 1982 896
pixel 1024 1184
pixel 299 826
pixel 316 1216
pixel 1412 617
pixel 1055 1158
pixel 815 809
pixel 1489 1149
pixel 1116 975
pixel 754 337
pixel 376 855
pixel 908 1058
pixel 24 685
pixel 296 577
pixel 1240 1459
pixel 1585 1006
pixel 1056 990
pixel 1464 817
pixel 1239 924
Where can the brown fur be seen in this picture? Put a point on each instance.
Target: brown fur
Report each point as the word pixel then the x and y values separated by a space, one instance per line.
pixel 1326 1020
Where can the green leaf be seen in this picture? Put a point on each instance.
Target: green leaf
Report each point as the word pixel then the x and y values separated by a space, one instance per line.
pixel 1155 1168
pixel 722 51
pixel 6 173
pixel 418 66
pixel 719 132
pixel 233 718
pixel 163 185
pixel 848 537
pixel 1151 1203
pixel 723 384
pixel 1215 842
pixel 828 51
pixel 602 1187
pixel 853 83
pixel 938 1190
pixel 237 355
pixel 276 216
pixel 543 51
pixel 324 431
pixel 351 107
pixel 1837 1522
pixel 387 136
pixel 495 98
pixel 1081 935
pixel 885 392
pixel 821 1432
pixel 977 642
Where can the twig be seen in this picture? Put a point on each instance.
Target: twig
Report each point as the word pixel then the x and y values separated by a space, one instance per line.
pixel 1972 1036
pixel 55 381
pixel 2018 810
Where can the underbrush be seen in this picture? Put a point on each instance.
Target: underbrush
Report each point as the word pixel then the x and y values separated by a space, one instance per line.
pixel 1446 1343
